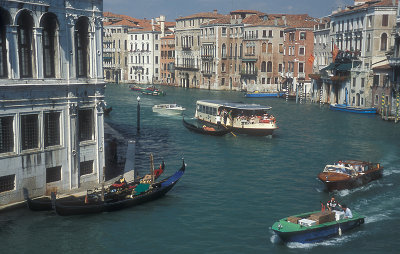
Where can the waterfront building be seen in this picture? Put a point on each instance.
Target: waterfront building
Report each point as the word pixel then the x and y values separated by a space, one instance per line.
pixel 364 32
pixel 115 46
pixel 188 48
pixel 167 60
pixel 298 55
pixel 322 58
pixel 52 97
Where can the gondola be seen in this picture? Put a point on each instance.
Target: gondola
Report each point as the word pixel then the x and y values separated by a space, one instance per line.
pixel 44 203
pixel 142 193
pixel 201 130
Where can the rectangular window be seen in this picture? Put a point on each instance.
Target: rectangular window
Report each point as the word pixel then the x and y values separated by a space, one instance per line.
pixel 280 48
pixel 302 35
pixel 263 81
pixel 86 131
pixel 270 33
pixel 29 131
pixel 7 183
pixel 264 33
pixel 280 68
pixel 385 20
pixel 301 51
pixel 86 168
pixel 3 53
pixel 362 82
pixel 53 174
pixel 51 129
pixel 354 82
pixel 376 80
pixel 6 134
pixel 281 34
pixel 301 67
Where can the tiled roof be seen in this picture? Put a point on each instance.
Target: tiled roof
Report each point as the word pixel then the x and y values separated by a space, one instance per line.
pixel 210 15
pixel 223 20
pixel 253 19
pixel 366 5
pixel 245 12
pixel 169 37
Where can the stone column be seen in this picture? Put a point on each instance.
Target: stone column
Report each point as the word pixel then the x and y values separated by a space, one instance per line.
pixel 37 33
pixel 12 39
pixel 71 46
pixel 73 143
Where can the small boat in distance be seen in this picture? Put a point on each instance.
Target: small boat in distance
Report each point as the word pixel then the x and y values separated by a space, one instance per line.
pixel 258 94
pixel 316 226
pixel 252 119
pixel 206 129
pixel 168 109
pixel 352 109
pixel 349 174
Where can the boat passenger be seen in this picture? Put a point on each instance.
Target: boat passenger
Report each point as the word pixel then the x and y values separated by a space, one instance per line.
pixel 347 212
pixel 333 205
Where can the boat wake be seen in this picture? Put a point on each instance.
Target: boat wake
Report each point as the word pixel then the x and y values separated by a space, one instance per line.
pixel 335 241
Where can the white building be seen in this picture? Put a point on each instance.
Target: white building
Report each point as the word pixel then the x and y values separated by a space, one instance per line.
pixel 51 96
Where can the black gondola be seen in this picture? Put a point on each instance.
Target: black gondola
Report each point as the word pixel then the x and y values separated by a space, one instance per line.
pixel 44 203
pixel 154 191
pixel 216 132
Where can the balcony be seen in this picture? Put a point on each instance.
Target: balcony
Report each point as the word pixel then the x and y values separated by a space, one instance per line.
pixel 186 68
pixel 207 57
pixel 186 48
pixel 394 62
pixel 108 49
pixel 248 73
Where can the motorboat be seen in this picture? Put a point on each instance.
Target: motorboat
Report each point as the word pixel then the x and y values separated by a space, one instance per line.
pixel 349 174
pixel 352 109
pixel 168 109
pixel 315 226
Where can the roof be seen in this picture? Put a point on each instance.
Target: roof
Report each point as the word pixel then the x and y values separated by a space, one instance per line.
pixel 364 6
pixel 211 15
pixel 235 105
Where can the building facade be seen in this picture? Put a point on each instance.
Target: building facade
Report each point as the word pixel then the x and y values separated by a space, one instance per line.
pixel 52 97
pixel 167 60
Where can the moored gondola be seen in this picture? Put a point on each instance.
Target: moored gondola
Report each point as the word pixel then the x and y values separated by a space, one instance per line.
pixel 142 193
pixel 206 130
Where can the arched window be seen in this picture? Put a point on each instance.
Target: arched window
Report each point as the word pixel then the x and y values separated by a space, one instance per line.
pixel 263 66
pixel 223 67
pixel 25 26
pixel 264 47
pixel 82 46
pixel 50 25
pixel 231 51
pixel 241 50
pixel 384 42
pixel 223 50
pixel 4 20
pixel 269 66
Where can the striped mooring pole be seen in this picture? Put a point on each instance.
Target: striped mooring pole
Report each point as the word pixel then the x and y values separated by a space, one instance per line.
pixel 397 106
pixel 383 105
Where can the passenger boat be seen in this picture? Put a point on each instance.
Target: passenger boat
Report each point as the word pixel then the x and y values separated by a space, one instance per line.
pixel 44 203
pixel 316 226
pixel 251 119
pixel 206 130
pixel 352 109
pixel 155 92
pixel 136 88
pixel 257 94
pixel 349 174
pixel 142 193
pixel 168 109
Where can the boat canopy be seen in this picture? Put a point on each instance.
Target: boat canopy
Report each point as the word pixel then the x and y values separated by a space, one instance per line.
pixel 233 105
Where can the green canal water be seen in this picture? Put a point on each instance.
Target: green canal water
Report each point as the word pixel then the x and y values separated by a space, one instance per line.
pixel 234 188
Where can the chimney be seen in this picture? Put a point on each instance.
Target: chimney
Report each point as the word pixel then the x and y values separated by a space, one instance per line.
pixel 162 23
pixel 215 11
pixel 152 24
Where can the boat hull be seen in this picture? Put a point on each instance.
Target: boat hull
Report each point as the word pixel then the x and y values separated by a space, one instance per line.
pixel 314 235
pixel 350 183
pixel 351 109
pixel 263 95
pixel 217 132
pixel 247 130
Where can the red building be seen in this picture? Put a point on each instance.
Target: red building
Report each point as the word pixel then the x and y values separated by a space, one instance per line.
pixel 167 62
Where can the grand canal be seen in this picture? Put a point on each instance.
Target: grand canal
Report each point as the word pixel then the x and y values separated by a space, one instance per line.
pixel 234 187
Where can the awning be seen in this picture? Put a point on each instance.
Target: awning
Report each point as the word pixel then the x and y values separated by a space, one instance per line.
pixel 329 67
pixel 344 67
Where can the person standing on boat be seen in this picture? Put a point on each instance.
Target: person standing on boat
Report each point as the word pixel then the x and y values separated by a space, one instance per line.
pixel 218 119
pixel 333 204
pixel 347 212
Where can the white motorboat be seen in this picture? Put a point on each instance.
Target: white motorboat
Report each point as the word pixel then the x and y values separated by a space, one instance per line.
pixel 168 109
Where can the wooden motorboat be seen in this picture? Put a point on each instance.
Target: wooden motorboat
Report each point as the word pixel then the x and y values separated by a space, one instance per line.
pixel 207 130
pixel 352 109
pixel 349 174
pixel 315 226
pixel 142 193
pixel 168 109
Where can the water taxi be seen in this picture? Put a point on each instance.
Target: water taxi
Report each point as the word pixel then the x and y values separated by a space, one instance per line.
pixel 242 118
pixel 168 109
pixel 352 109
pixel 315 226
pixel 349 174
pixel 258 94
